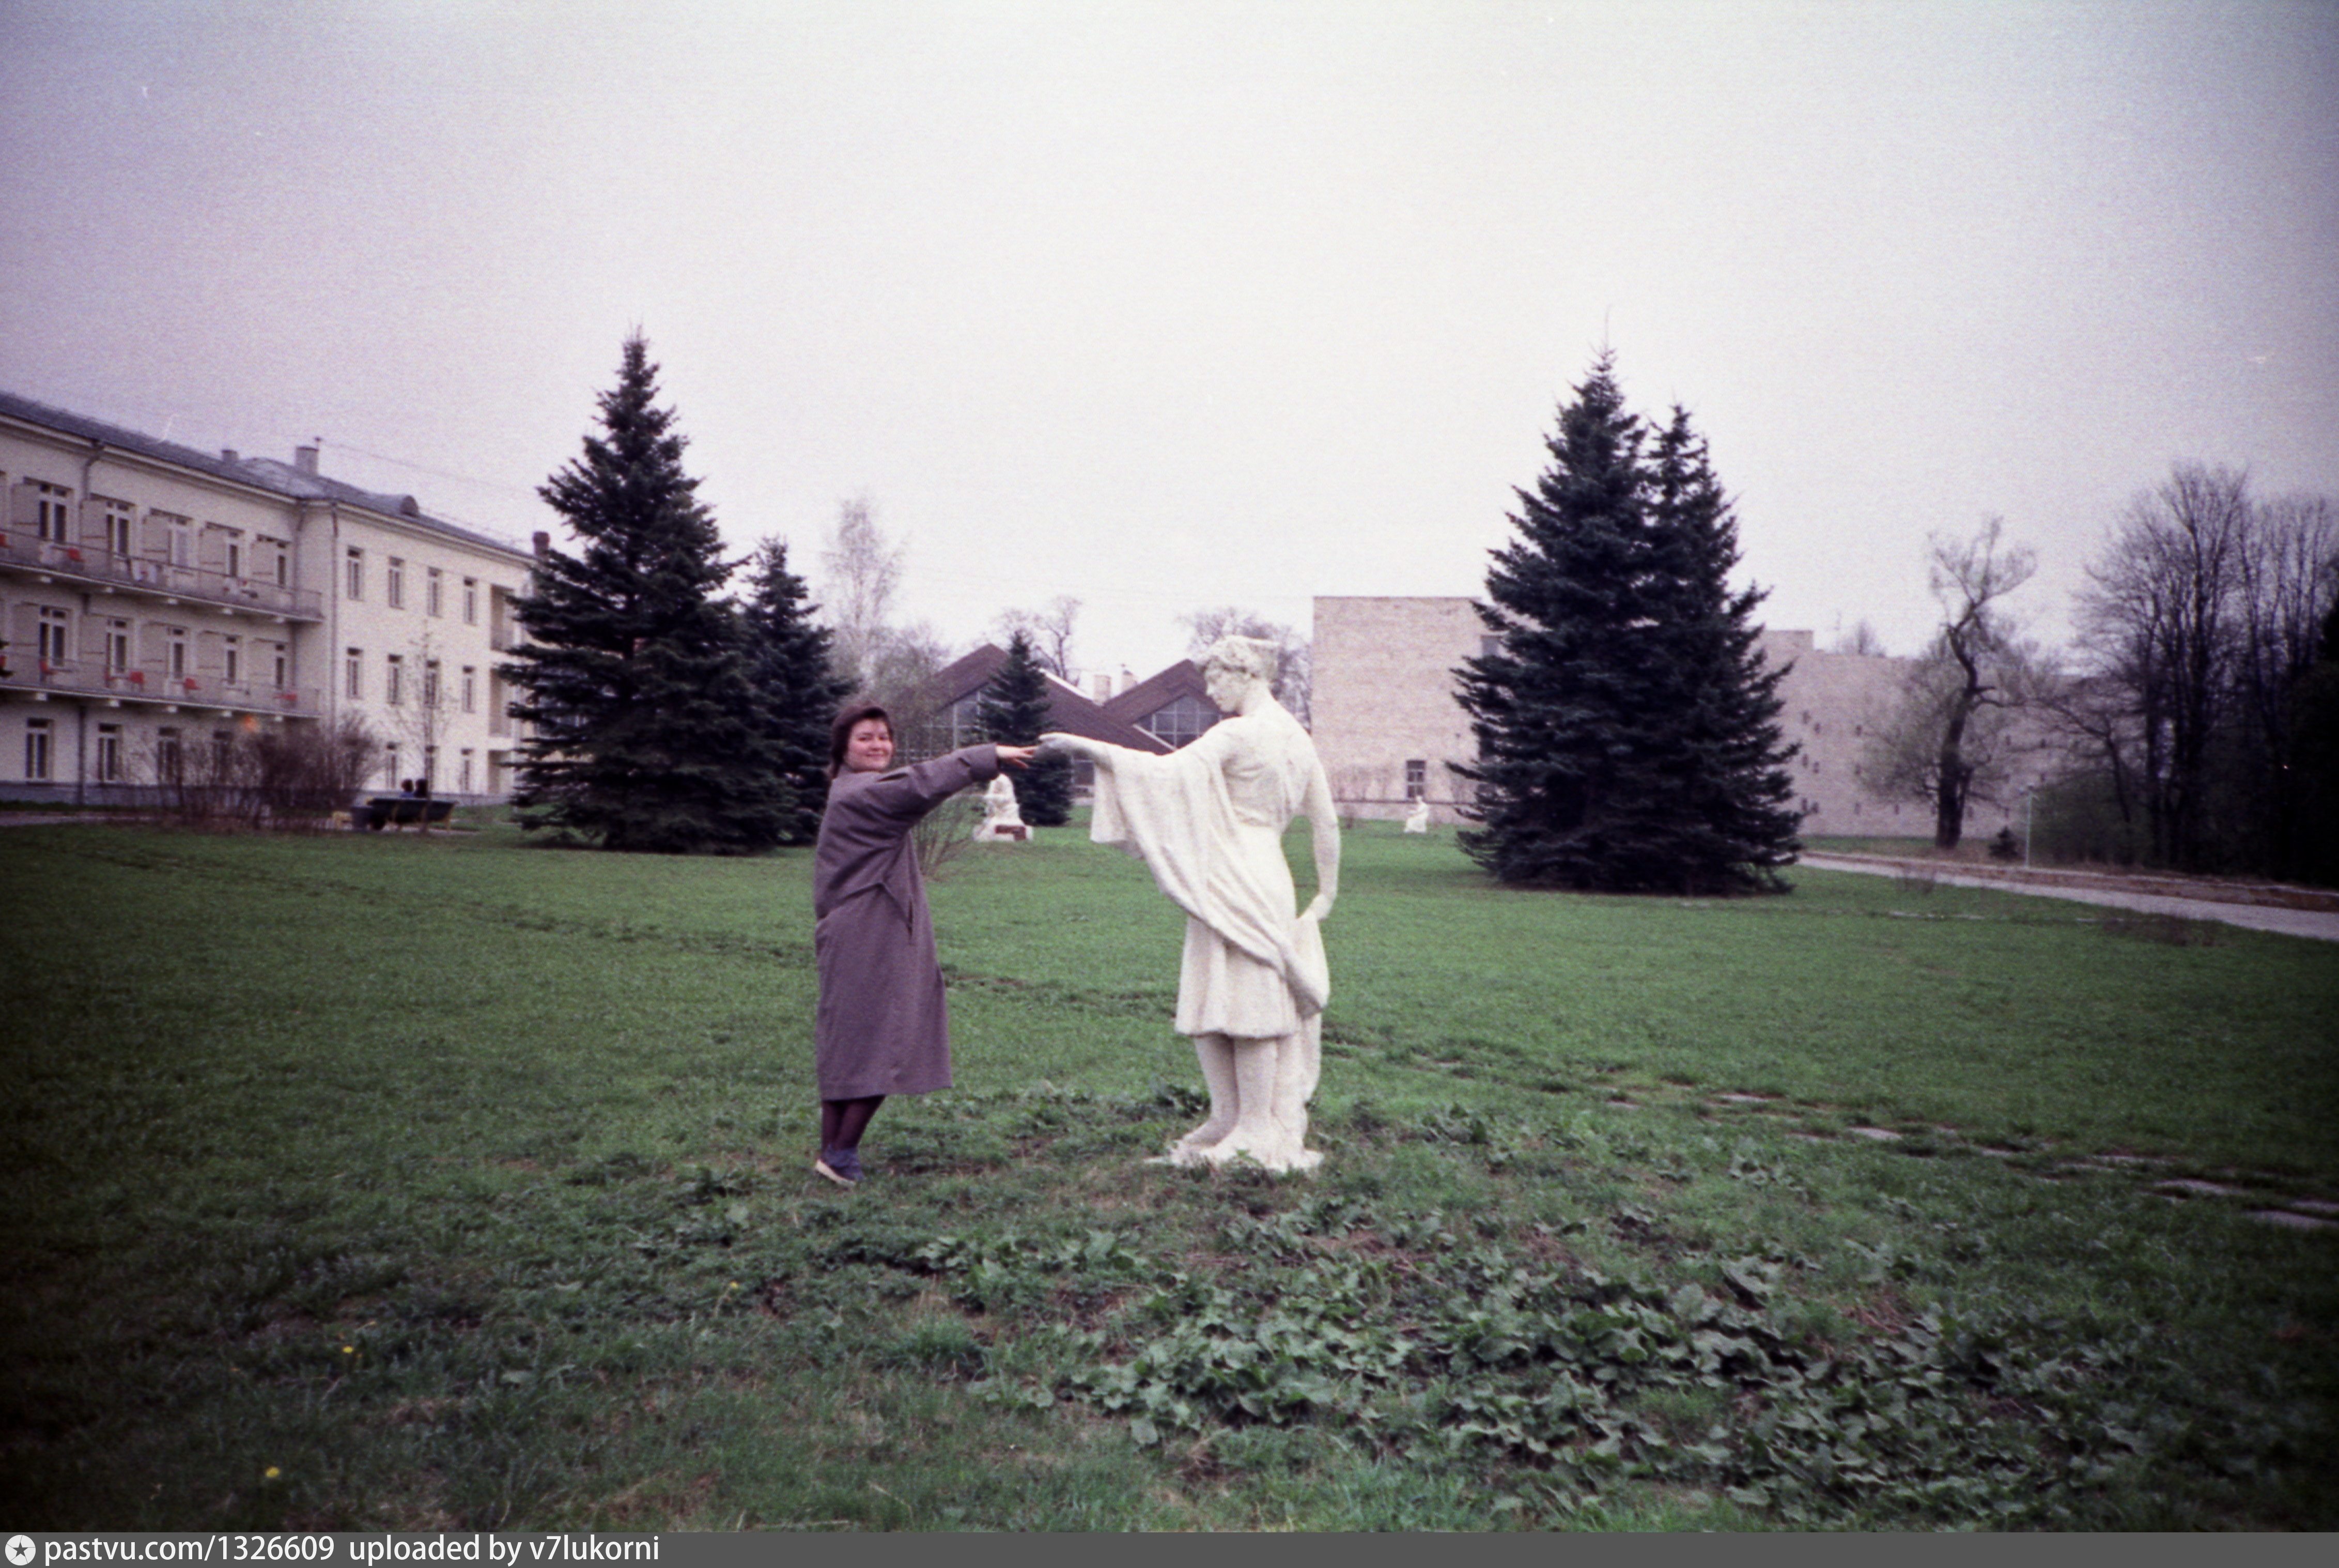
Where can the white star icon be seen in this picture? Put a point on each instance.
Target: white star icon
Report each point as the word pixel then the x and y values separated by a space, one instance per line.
pixel 20 1550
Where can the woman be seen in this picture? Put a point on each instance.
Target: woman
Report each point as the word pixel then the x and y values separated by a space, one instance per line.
pixel 884 1026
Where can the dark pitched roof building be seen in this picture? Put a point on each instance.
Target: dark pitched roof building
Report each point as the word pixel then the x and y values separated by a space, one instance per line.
pixel 955 693
pixel 1173 706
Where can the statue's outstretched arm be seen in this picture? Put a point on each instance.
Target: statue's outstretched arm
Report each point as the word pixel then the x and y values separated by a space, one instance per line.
pixel 1103 754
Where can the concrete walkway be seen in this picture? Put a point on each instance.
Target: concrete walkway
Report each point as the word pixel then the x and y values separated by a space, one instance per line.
pixel 2290 912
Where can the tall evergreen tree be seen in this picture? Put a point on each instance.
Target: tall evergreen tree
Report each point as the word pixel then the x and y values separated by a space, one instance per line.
pixel 634 674
pixel 791 667
pixel 1014 712
pixel 1627 731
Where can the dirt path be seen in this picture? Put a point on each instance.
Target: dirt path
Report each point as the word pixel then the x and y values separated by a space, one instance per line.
pixel 2292 912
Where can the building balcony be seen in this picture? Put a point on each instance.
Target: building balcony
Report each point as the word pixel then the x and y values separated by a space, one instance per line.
pixel 87 566
pixel 151 686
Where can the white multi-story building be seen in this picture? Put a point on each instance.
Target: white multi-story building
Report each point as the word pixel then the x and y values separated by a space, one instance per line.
pixel 153 597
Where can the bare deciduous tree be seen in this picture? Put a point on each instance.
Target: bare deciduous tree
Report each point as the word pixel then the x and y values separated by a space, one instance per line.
pixel 1862 639
pixel 2157 623
pixel 1945 742
pixel 1049 629
pixel 864 571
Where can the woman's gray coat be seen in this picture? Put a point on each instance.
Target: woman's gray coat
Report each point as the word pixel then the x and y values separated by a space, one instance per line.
pixel 883 1025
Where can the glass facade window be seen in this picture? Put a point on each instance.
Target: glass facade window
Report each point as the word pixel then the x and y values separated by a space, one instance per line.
pixel 1181 722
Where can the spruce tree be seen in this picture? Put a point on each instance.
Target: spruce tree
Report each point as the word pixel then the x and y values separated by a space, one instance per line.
pixel 1627 732
pixel 642 732
pixel 791 669
pixel 1014 712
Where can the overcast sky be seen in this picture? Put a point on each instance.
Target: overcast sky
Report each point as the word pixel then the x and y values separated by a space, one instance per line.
pixel 1171 305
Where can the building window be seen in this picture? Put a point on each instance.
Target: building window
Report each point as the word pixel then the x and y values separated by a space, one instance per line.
pixel 391 765
pixel 393 584
pixel 117 647
pixel 353 675
pixel 231 658
pixel 36 750
pixel 279 662
pixel 470 690
pixel 232 553
pixel 179 536
pixel 1181 722
pixel 175 652
pixel 51 508
pixel 470 601
pixel 434 592
pixel 1417 778
pixel 51 632
pixel 116 524
pixel 430 684
pixel 170 757
pixel 109 754
pixel 393 683
pixel 463 777
pixel 353 574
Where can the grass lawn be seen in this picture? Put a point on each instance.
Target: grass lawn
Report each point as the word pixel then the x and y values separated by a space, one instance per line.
pixel 381 1181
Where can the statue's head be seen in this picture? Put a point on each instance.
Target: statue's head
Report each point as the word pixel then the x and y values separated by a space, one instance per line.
pixel 1233 665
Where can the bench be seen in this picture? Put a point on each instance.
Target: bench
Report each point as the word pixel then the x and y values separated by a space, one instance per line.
pixel 401 810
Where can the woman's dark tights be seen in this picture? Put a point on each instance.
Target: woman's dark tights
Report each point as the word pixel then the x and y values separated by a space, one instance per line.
pixel 843 1121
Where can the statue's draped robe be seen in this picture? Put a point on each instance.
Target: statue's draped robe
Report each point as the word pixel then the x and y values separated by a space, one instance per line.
pixel 1208 820
pixel 883 1025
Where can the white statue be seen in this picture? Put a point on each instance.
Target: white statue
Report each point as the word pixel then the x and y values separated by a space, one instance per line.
pixel 1415 821
pixel 1002 817
pixel 1208 821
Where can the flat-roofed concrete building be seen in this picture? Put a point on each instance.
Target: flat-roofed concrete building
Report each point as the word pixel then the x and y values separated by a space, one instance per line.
pixel 154 596
pixel 1387 724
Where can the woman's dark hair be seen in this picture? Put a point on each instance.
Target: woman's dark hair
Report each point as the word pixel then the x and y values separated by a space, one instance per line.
pixel 840 731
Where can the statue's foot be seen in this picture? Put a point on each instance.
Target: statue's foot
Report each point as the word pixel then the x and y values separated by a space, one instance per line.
pixel 1205 1135
pixel 1277 1150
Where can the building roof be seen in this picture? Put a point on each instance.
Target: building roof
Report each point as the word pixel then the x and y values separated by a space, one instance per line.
pixel 1069 709
pixel 1149 696
pixel 257 473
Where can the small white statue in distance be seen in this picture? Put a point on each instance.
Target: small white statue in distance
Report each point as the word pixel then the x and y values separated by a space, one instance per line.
pixel 1002 817
pixel 1209 822
pixel 1415 821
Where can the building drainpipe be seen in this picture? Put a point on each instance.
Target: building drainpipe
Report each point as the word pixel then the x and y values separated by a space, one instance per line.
pixel 80 710
pixel 330 711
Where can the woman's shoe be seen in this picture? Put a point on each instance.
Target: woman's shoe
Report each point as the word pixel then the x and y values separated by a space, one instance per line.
pixel 839 1165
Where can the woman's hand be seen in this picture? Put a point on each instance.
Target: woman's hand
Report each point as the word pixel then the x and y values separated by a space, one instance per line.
pixel 1016 757
pixel 1057 740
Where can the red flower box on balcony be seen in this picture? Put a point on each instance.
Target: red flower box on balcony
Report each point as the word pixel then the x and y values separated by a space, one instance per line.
pixel 191 683
pixel 136 677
